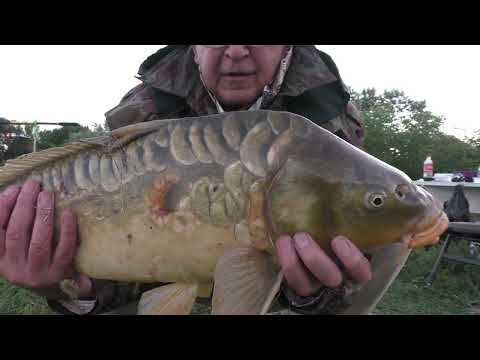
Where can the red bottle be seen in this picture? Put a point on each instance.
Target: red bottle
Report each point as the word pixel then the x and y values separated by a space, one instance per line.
pixel 428 169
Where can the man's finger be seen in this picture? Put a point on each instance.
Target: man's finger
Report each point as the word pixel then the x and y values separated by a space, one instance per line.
pixel 355 263
pixel 7 202
pixel 65 251
pixel 39 253
pixel 293 270
pixel 21 222
pixel 316 261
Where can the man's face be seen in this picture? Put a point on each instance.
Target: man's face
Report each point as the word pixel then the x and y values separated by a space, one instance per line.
pixel 237 74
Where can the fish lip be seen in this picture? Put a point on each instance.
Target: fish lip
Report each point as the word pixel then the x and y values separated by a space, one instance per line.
pixel 429 234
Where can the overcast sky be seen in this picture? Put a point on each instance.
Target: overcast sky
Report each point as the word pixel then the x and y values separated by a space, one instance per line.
pixel 80 83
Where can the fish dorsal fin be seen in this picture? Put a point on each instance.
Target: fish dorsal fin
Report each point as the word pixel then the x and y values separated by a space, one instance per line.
pixel 27 163
pixel 113 140
pixel 245 279
pixel 123 136
pixel 140 129
pixel 172 299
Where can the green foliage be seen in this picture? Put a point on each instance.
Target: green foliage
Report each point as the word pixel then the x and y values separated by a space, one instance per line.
pixel 17 301
pixel 46 138
pixel 85 133
pixel 453 154
pixel 453 291
pixel 401 132
pixel 64 135
pixel 14 147
pixel 474 140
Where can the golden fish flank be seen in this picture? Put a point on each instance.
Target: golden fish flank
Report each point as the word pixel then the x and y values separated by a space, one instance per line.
pixel 191 192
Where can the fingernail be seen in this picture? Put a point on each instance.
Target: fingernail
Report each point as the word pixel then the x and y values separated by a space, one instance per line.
pixel 284 238
pixel 11 190
pixel 302 240
pixel 342 246
pixel 45 199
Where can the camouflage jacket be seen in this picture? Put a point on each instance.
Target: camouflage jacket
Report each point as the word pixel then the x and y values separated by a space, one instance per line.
pixel 171 88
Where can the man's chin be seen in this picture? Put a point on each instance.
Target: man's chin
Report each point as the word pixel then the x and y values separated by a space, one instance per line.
pixel 238 102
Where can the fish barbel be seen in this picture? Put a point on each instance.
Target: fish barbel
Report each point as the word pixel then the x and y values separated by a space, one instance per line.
pixel 200 201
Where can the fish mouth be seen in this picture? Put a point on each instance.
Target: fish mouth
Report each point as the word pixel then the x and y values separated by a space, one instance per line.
pixel 429 233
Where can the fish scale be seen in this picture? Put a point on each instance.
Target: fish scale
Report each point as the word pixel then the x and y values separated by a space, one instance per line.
pixel 237 139
pixel 199 148
pixel 198 142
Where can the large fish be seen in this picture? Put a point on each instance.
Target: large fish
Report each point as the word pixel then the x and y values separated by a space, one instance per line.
pixel 200 201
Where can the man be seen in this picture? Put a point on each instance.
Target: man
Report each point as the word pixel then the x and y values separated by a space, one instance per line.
pixel 197 80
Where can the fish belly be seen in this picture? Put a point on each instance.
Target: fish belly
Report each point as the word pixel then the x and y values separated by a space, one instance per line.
pixel 132 247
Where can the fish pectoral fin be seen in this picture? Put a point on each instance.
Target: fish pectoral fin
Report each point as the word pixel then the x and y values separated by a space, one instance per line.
pixel 246 282
pixel 172 299
pixel 386 263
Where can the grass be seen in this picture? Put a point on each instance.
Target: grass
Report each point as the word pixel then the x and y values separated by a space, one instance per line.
pixel 17 301
pixel 452 293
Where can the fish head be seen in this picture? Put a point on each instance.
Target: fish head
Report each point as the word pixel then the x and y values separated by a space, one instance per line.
pixel 329 188
pixel 372 214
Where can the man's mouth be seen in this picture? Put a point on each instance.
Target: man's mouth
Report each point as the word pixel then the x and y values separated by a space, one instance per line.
pixel 238 73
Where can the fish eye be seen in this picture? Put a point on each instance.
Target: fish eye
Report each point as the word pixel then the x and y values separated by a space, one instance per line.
pixel 375 200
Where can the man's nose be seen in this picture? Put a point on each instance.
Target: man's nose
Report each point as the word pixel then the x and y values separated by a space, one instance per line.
pixel 237 52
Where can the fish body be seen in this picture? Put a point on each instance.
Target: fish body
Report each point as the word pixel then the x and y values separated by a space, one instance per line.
pixel 165 201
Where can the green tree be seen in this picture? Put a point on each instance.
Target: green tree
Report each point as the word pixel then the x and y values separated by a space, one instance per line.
pixel 13 141
pixel 61 136
pixel 12 147
pixel 453 154
pixel 381 127
pixel 474 140
pixel 402 132
pixel 85 132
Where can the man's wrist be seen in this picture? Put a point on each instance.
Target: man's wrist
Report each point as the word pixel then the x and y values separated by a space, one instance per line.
pixel 326 301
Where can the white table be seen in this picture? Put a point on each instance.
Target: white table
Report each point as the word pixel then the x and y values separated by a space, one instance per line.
pixel 443 191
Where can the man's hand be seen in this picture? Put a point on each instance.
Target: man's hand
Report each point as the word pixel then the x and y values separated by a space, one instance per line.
pixel 28 257
pixel 305 264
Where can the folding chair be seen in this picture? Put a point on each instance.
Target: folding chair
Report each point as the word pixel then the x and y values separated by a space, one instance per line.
pixel 456 231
